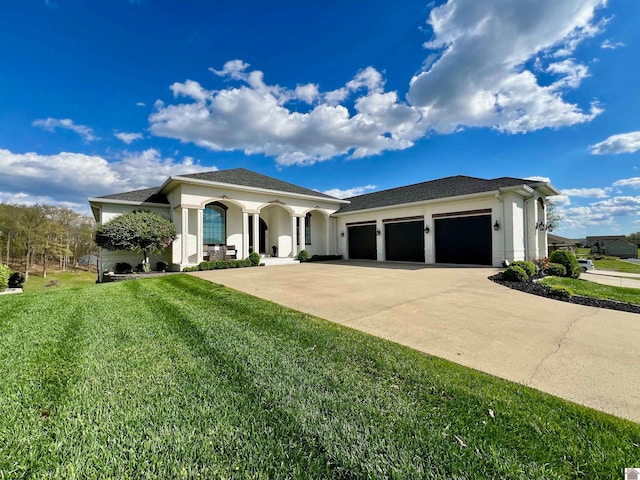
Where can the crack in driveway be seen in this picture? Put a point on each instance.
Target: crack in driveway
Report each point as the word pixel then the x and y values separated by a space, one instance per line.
pixel 559 344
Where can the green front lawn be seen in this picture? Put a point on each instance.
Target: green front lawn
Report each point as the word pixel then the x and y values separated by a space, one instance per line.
pixel 617 265
pixel 71 278
pixel 175 377
pixel 596 290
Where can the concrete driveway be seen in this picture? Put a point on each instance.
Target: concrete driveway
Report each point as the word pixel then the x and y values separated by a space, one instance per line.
pixel 588 355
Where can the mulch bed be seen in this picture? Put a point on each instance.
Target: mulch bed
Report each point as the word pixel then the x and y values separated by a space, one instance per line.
pixel 535 288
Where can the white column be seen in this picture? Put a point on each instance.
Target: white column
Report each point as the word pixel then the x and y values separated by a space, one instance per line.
pixel 294 236
pixel 184 240
pixel 302 230
pixel 200 239
pixel 327 235
pixel 245 235
pixel 256 232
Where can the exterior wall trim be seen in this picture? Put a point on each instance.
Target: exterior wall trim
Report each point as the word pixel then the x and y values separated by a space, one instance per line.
pixel 464 213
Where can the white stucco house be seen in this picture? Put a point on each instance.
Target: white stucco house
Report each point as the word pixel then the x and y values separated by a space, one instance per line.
pixel 453 220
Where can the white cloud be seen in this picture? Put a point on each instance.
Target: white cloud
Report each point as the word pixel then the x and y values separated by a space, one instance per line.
pixel 480 71
pixel 127 137
pixel 349 192
pixel 560 200
pixel 608 44
pixel 481 78
pixel 633 182
pixel 141 104
pixel 586 192
pixel 72 177
pixel 51 124
pixel 620 143
pixel 255 118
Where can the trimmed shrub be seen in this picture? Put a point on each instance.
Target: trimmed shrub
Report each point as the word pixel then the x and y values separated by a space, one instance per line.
pixel 324 258
pixel 254 258
pixel 16 280
pixel 122 267
pixel 555 270
pixel 559 291
pixel 528 267
pixel 515 274
pixel 568 260
pixel 303 256
pixel 162 266
pixel 5 273
pixel 224 264
pixel 191 269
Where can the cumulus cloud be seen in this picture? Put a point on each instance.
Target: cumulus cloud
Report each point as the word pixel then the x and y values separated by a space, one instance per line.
pixel 51 124
pixel 349 192
pixel 620 143
pixel 72 177
pixel 560 200
pixel 254 117
pixel 481 70
pixel 633 182
pixel 127 137
pixel 587 192
pixel 481 77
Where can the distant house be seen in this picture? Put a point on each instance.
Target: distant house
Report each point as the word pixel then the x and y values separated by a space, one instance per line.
pixel 556 242
pixel 613 245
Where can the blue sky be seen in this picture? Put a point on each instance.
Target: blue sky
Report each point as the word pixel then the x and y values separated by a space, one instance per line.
pixel 349 97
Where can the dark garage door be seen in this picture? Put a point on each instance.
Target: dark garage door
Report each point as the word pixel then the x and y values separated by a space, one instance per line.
pixel 464 240
pixel 362 242
pixel 404 241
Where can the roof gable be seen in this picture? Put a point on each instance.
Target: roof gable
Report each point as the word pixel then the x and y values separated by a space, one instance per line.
pixel 430 190
pixel 248 178
pixel 146 195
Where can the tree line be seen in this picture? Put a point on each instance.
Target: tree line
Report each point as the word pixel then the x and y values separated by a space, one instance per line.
pixel 44 234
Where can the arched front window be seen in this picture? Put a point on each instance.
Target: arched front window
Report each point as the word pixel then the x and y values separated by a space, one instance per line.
pixel 215 224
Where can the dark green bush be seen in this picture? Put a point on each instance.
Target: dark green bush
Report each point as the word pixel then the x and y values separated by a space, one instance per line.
pixel 254 258
pixel 555 270
pixel 122 267
pixel 515 274
pixel 16 280
pixel 191 269
pixel 223 264
pixel 5 273
pixel 162 266
pixel 303 256
pixel 568 260
pixel 528 267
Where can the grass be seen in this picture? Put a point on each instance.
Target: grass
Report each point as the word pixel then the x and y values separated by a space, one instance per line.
pixel 56 279
pixel 617 265
pixel 175 377
pixel 596 290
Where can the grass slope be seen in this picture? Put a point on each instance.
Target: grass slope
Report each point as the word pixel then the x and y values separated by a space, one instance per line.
pixel 176 378
pixel 586 288
pixel 617 265
pixel 58 279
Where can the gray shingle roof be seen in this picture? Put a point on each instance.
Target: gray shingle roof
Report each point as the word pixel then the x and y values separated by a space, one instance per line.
pixel 431 190
pixel 247 178
pixel 146 195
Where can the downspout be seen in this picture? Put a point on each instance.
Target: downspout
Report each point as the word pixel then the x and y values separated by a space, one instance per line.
pixel 504 230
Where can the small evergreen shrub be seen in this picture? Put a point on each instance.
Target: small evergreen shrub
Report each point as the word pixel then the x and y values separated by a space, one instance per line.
pixel 528 267
pixel 16 280
pixel 515 274
pixel 162 266
pixel 303 256
pixel 559 291
pixel 122 267
pixel 254 258
pixel 191 269
pixel 5 273
pixel 568 260
pixel 555 270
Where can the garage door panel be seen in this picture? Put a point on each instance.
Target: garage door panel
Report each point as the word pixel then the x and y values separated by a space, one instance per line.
pixel 362 242
pixel 404 241
pixel 464 240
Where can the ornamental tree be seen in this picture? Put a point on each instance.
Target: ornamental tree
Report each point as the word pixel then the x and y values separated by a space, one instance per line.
pixel 139 231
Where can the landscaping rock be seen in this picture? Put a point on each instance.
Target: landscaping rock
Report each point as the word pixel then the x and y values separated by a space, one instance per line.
pixel 536 288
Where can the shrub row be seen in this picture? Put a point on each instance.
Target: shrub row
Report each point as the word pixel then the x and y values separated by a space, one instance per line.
pixel 223 264
pixel 561 264
pixel 124 267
